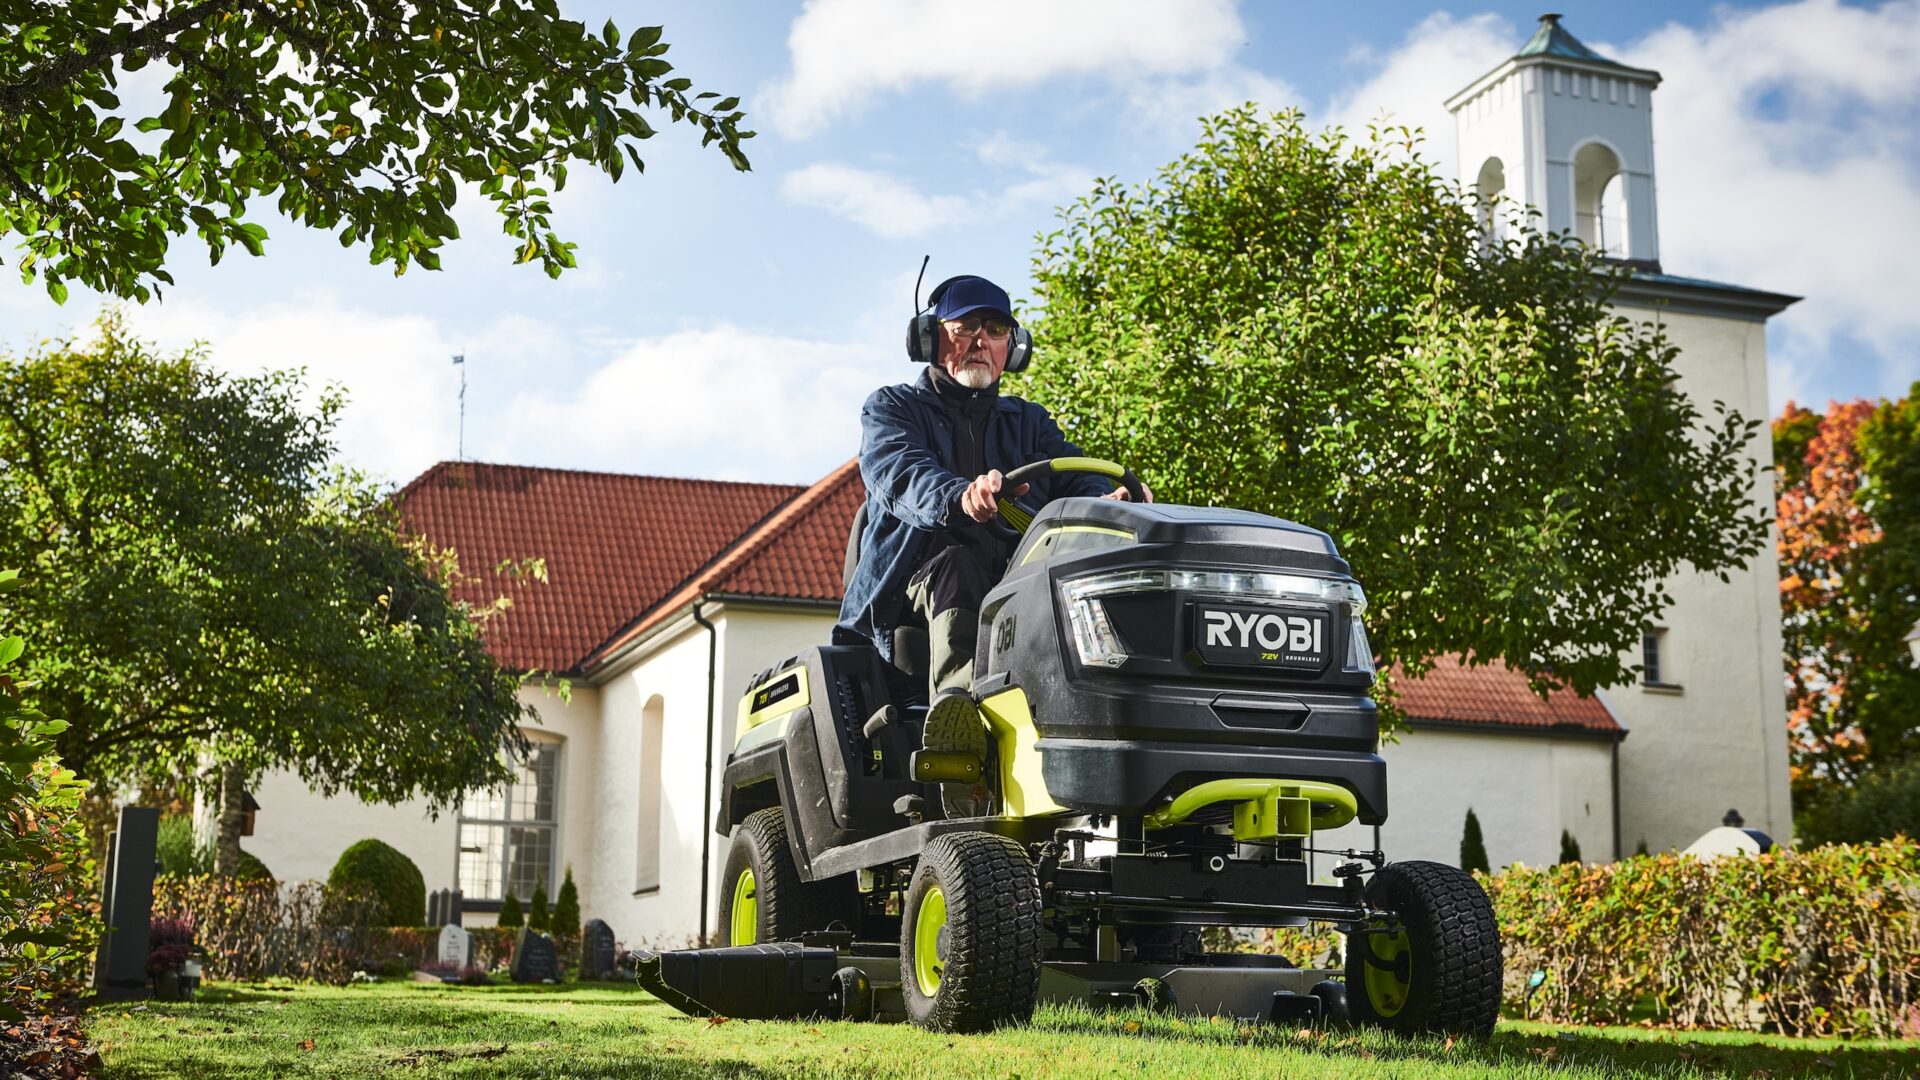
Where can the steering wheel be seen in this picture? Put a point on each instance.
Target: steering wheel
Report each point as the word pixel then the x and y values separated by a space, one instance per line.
pixel 1014 518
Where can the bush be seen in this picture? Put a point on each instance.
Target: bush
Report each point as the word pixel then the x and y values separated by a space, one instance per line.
pixel 48 917
pixel 510 913
pixel 182 855
pixel 1823 942
pixel 1885 804
pixel 566 909
pixel 537 910
pixel 390 875
pixel 1473 849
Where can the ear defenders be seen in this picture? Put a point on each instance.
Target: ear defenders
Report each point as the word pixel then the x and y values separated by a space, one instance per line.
pixel 923 342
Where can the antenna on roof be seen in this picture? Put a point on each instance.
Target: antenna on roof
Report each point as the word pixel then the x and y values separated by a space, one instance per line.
pixel 460 362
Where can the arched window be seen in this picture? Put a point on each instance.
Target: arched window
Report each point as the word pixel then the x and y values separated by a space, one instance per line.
pixel 1491 186
pixel 646 853
pixel 1599 200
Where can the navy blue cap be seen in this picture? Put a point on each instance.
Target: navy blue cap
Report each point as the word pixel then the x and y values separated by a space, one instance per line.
pixel 965 295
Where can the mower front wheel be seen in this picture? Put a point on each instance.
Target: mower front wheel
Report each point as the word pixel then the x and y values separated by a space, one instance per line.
pixel 1438 968
pixel 762 897
pixel 970 935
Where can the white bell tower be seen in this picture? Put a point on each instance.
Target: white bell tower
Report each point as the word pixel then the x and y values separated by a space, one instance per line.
pixel 1564 130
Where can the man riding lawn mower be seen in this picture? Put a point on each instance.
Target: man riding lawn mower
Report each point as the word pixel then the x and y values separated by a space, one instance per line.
pixel 1047 751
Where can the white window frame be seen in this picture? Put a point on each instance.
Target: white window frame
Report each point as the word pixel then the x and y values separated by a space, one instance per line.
pixel 504 800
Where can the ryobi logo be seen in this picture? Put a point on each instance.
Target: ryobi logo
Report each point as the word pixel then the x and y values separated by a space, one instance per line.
pixel 1271 633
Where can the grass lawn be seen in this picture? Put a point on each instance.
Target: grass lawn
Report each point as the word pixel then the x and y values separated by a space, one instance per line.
pixel 419 1029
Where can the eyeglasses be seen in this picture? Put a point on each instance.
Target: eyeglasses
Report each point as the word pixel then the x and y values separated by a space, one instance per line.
pixel 995 329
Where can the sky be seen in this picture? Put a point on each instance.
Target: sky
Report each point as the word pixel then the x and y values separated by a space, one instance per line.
pixel 728 325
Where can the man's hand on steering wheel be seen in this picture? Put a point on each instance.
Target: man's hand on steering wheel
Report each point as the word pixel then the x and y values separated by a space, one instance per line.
pixel 978 500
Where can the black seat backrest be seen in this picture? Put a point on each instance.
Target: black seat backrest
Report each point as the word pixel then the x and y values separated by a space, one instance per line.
pixel 853 547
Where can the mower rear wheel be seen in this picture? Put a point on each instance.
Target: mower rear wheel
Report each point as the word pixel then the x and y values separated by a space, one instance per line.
pixel 970 934
pixel 1438 969
pixel 761 895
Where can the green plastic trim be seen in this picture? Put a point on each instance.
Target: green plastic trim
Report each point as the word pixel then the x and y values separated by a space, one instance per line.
pixel 1269 808
pixel 746 910
pixel 927 924
pixel 1110 469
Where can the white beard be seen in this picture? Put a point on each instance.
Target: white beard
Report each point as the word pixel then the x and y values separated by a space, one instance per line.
pixel 975 378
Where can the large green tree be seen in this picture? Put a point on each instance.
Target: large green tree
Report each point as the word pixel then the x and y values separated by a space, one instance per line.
pixel 359 116
pixel 1324 329
pixel 208 601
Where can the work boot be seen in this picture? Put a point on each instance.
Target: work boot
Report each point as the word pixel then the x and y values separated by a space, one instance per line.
pixel 954 726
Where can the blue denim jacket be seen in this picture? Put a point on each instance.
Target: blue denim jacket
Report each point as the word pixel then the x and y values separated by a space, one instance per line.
pixel 906 439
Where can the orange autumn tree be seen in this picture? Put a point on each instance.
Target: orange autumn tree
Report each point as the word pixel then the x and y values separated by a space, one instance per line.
pixel 1849 542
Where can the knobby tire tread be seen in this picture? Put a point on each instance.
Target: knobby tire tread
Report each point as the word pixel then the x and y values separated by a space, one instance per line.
pixel 992 974
pixel 1456 949
pixel 789 906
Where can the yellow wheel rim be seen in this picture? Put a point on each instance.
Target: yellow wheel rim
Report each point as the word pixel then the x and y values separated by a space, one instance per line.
pixel 745 928
pixel 1386 955
pixel 929 946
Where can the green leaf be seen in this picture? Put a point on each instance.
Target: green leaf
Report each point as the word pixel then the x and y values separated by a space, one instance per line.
pixel 643 38
pixel 56 289
pixel 11 648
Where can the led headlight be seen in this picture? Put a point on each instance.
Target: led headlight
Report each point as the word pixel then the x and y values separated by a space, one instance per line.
pixel 1100 646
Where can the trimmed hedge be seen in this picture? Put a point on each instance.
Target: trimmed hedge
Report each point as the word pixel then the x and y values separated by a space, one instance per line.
pixel 390 875
pixel 1824 942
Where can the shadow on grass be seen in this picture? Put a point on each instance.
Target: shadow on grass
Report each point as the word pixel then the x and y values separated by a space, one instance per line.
pixel 1625 1051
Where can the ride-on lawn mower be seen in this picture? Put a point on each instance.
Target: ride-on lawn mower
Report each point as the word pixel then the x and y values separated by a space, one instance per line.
pixel 1176 702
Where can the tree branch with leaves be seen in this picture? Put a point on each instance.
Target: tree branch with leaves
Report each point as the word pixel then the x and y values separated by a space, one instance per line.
pixel 363 117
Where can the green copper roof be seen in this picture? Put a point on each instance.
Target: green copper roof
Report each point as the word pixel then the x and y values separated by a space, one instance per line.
pixel 1552 39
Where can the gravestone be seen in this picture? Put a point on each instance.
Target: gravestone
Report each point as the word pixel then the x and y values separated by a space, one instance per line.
pixel 596 951
pixel 456 946
pixel 534 958
pixel 126 905
pixel 443 907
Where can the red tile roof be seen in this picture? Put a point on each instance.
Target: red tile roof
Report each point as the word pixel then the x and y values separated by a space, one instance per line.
pixel 796 554
pixel 614 546
pixel 1494 695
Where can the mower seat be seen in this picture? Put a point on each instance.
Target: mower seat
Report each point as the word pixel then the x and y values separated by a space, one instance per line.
pixel 910 650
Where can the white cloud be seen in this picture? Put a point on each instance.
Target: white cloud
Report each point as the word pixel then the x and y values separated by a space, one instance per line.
pixel 878 201
pixel 1173 105
pixel 721 401
pixel 1407 87
pixel 846 52
pixel 401 409
pixel 893 208
pixel 1786 159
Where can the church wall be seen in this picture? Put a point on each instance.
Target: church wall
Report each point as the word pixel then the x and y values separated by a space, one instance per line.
pixel 1524 789
pixel 1719 741
pixel 662 911
pixel 300 833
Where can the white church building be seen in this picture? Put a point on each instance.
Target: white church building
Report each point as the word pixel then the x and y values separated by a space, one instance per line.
pixel 664 596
